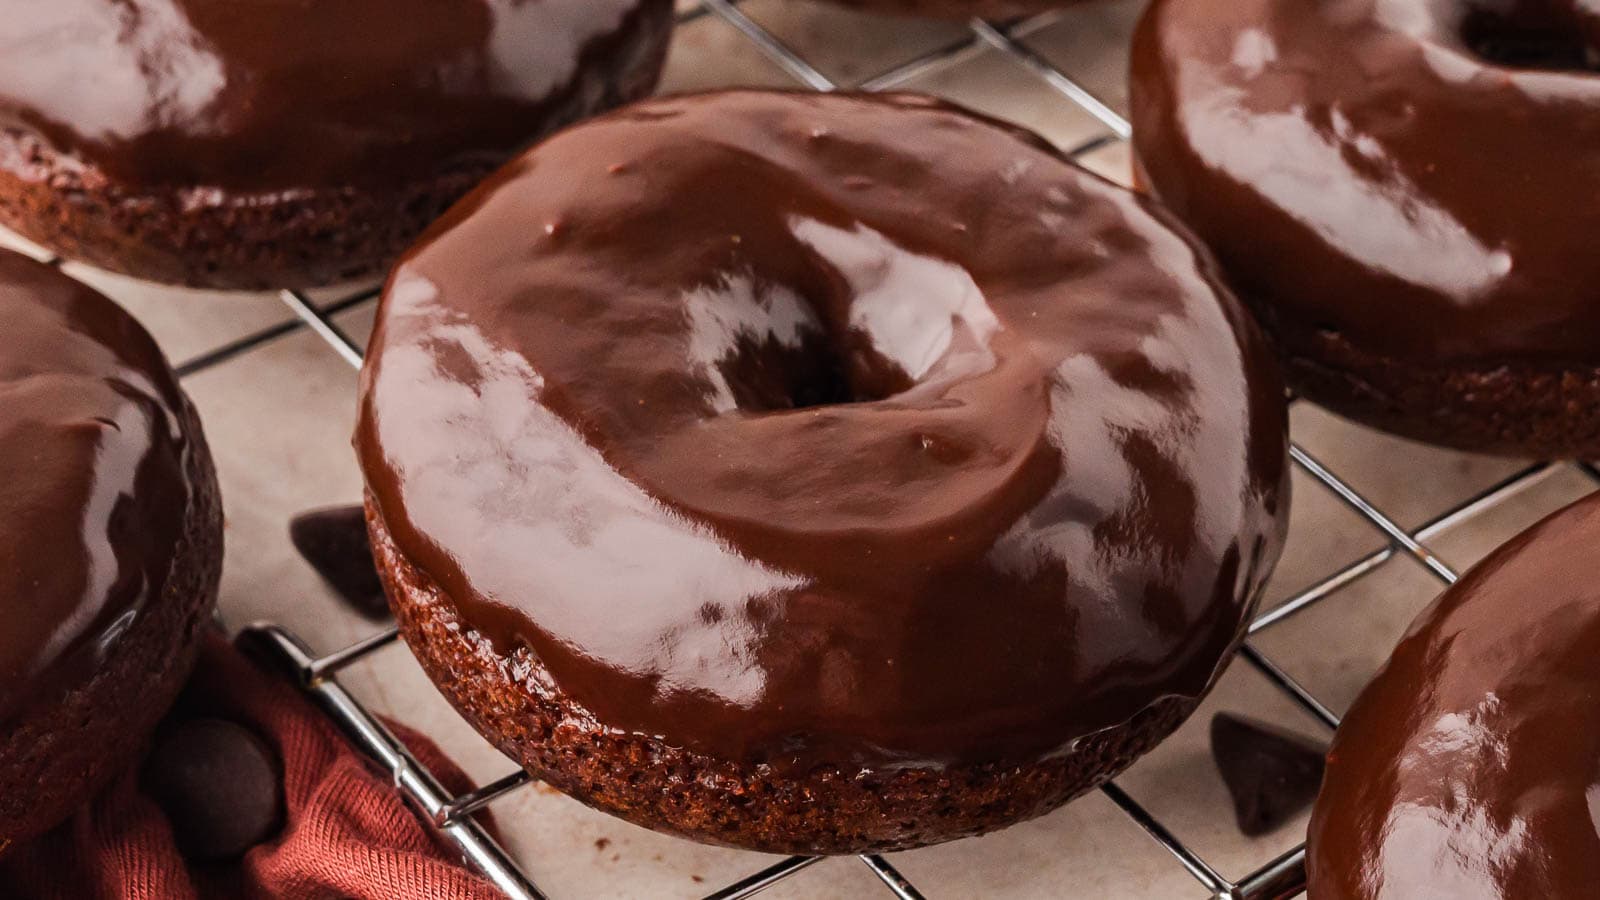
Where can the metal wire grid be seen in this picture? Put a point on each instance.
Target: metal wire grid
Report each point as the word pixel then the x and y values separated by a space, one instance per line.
pixel 452 816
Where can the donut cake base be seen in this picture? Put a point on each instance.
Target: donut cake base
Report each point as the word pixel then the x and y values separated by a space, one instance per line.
pixel 65 748
pixel 202 238
pixel 672 789
pixel 1546 410
pixel 208 237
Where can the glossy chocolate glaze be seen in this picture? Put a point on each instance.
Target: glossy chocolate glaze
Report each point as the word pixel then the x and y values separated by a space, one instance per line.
pixel 94 495
pixel 279 94
pixel 828 429
pixel 1412 174
pixel 1470 767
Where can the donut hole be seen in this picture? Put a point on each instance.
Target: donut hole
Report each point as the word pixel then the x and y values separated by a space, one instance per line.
pixel 769 375
pixel 1527 37
pixel 859 320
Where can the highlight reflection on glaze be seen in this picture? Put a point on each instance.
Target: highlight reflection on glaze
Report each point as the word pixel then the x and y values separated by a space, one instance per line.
pixel 95 492
pixel 925 451
pixel 1404 173
pixel 588 530
pixel 1470 764
pixel 273 95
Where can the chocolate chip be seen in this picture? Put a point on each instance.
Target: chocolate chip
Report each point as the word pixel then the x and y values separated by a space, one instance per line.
pixel 219 785
pixel 1272 774
pixel 334 542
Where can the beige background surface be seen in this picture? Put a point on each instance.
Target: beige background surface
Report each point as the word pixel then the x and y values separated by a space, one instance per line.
pixel 279 418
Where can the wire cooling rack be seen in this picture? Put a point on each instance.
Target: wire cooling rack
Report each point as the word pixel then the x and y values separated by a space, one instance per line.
pixel 455 817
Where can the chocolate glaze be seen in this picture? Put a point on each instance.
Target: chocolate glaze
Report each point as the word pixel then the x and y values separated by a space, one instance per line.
pixel 848 429
pixel 277 94
pixel 95 495
pixel 1470 767
pixel 1411 174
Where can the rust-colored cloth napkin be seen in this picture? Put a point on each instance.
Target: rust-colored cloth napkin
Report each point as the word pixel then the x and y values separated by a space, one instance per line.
pixel 345 832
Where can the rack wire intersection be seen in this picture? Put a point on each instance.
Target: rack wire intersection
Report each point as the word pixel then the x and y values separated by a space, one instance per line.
pixel 453 816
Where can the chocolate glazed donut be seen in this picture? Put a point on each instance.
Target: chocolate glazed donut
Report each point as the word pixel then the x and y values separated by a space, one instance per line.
pixel 278 143
pixel 1470 767
pixel 111 548
pixel 817 474
pixel 1402 190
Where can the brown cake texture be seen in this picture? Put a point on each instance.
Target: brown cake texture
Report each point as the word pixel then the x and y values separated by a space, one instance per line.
pixel 1514 408
pixel 310 163
pixel 818 473
pixel 828 810
pixel 54 758
pixel 72 719
pixel 212 239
